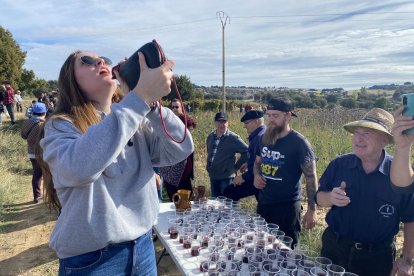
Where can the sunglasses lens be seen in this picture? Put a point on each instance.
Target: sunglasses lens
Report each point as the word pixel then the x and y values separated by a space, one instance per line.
pixel 107 60
pixel 88 60
pixel 92 61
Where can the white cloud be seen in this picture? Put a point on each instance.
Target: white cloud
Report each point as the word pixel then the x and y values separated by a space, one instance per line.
pixel 304 43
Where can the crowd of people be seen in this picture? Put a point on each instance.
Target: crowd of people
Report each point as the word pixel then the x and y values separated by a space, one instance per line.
pixel 103 155
pixel 367 193
pixel 11 101
pixel 36 113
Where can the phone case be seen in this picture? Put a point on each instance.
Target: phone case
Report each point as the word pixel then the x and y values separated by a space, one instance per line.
pixel 408 102
pixel 130 70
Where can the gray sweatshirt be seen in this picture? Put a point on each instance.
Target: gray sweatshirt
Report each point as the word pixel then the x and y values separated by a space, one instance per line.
pixel 107 188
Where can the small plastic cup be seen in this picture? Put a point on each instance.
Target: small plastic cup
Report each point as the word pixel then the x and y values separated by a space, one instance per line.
pixel 307 265
pixel 317 271
pixel 286 240
pixel 287 267
pixel 257 261
pixel 335 270
pixel 271 270
pixel 300 272
pixel 278 233
pixel 173 226
pixel 322 262
pixel 294 257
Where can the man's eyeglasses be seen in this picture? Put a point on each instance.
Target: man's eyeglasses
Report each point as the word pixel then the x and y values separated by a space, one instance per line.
pixel 175 106
pixel 88 60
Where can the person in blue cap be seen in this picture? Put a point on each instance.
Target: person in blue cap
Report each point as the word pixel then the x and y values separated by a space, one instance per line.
pixel 243 184
pixel 365 212
pixel 222 147
pixel 282 156
pixel 30 131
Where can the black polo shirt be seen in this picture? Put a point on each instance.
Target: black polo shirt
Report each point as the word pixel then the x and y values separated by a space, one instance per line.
pixel 375 210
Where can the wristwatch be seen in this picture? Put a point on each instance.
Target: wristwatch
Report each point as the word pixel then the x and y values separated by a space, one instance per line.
pixel 408 260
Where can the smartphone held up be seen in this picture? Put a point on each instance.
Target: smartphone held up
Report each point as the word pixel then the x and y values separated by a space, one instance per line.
pixel 408 103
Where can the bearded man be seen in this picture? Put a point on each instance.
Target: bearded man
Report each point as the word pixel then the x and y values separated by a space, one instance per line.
pixel 283 155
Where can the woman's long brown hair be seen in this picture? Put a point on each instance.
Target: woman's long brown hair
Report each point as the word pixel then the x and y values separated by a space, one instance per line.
pixel 73 106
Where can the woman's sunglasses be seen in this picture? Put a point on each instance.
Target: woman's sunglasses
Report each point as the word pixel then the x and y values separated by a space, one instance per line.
pixel 88 60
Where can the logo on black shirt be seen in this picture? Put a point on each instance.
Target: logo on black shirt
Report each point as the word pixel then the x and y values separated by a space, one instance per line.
pixel 386 210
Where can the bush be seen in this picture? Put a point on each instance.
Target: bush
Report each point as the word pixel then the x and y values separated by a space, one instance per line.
pixel 212 105
pixel 197 105
pixel 348 103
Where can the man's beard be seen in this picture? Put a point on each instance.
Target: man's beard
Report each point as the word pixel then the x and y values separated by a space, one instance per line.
pixel 271 134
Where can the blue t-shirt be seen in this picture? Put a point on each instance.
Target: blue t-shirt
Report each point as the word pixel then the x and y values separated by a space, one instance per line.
pixel 375 210
pixel 281 166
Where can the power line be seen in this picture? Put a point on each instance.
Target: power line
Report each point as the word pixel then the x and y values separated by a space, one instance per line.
pixel 322 14
pixel 145 28
pixel 319 21
pixel 202 20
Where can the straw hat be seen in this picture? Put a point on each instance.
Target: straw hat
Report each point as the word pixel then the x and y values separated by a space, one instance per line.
pixel 377 119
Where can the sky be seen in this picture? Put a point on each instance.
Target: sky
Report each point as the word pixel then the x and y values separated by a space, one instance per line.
pixel 297 44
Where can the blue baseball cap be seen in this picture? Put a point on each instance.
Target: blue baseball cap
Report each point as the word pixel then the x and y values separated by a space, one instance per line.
pixel 39 108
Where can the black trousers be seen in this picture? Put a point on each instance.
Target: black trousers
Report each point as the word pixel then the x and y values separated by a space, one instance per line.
pixel 241 191
pixel 287 215
pixel 362 259
pixel 36 179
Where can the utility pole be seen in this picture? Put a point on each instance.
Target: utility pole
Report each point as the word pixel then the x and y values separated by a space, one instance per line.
pixel 223 18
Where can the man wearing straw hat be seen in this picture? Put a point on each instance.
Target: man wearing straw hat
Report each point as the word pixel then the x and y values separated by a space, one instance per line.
pixel 365 211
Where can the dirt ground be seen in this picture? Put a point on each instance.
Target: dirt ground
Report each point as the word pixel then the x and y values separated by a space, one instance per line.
pixel 24 239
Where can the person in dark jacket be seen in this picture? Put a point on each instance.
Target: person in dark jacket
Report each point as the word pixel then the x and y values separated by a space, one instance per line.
pixel 30 131
pixel 222 147
pixel 1 105
pixel 243 184
pixel 8 100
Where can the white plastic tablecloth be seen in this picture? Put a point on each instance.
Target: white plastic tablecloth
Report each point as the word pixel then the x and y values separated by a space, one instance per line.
pixel 182 258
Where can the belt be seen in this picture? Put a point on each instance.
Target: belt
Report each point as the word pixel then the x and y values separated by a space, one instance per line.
pixel 359 245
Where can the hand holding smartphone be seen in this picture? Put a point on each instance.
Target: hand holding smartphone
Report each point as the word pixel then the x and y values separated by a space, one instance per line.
pixel 408 103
